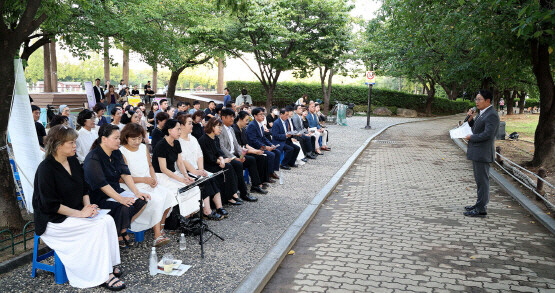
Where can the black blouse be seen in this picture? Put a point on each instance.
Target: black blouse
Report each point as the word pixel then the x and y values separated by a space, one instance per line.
pixel 157 136
pixel 54 186
pixel 211 152
pixel 198 130
pixel 240 135
pixel 101 170
pixel 164 150
pixel 305 123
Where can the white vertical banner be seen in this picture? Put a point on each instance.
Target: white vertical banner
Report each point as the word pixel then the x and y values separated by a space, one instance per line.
pixel 90 94
pixel 23 135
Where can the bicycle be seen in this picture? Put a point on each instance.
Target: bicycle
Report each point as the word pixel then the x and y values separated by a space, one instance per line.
pixel 350 109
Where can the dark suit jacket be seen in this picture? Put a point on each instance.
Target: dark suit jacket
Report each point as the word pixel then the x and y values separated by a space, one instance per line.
pixel 98 95
pixel 255 137
pixel 278 134
pixel 481 146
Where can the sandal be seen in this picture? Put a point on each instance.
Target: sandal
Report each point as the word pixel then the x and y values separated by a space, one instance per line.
pixel 161 240
pixel 119 272
pixel 127 241
pixel 110 284
pixel 122 244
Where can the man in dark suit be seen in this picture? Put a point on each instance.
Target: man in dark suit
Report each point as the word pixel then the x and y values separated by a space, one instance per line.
pixel 304 139
pixel 98 92
pixel 481 149
pixel 256 139
pixel 281 136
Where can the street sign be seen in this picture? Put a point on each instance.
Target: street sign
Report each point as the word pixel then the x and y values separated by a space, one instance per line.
pixel 370 77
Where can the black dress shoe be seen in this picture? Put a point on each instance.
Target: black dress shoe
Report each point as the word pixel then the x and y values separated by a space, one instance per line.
pixel 294 166
pixel 311 156
pixel 274 175
pixel 284 167
pixel 236 203
pixel 214 216
pixel 238 199
pixel 258 190
pixel 248 197
pixel 222 212
pixel 266 185
pixel 469 208
pixel 305 159
pixel 320 154
pixel 475 213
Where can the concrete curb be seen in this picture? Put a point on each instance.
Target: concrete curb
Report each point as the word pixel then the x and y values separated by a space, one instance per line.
pixel 20 260
pixel 259 276
pixel 522 199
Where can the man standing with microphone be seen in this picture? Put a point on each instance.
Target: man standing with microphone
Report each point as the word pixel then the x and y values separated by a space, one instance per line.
pixel 481 149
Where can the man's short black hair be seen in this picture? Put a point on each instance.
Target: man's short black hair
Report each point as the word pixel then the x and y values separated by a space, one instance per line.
pixel 187 104
pixel 256 111
pixel 242 114
pixel 97 79
pixel 196 103
pixel 486 94
pixel 161 116
pixel 179 104
pixel 226 89
pixel 282 111
pixel 227 112
pixel 288 108
pixel 163 100
pixel 296 107
pixel 229 105
pixel 244 91
pixel 34 108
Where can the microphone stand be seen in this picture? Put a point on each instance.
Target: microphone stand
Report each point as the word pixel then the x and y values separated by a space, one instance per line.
pixel 203 227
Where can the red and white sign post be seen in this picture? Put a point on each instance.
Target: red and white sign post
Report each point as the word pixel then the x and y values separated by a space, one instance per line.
pixel 370 81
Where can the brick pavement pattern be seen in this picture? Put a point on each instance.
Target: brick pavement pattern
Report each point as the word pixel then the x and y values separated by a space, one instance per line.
pixel 395 224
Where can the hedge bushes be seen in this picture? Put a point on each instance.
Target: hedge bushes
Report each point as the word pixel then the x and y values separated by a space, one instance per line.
pixel 532 103
pixel 288 92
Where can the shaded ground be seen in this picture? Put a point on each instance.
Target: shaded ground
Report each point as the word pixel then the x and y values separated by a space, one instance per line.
pixel 395 224
pixel 249 232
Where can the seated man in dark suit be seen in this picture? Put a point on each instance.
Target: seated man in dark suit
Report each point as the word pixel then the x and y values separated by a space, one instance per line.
pixel 256 139
pixel 303 137
pixel 281 136
pixel 481 149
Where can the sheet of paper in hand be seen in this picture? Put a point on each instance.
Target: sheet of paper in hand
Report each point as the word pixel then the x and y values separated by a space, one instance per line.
pixel 461 131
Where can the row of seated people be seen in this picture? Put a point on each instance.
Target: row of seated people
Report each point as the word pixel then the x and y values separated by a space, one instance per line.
pixel 139 190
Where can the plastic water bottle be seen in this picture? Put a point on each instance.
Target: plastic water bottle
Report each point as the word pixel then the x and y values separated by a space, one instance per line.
pixel 280 177
pixel 153 262
pixel 182 242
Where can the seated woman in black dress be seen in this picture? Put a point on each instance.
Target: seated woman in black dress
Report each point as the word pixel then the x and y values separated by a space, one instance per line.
pixel 104 166
pixel 88 248
pixel 198 129
pixel 214 161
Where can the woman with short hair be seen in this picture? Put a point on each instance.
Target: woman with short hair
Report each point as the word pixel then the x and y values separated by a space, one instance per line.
pixel 87 247
pixel 137 158
pixel 104 167
pixel 100 109
pixel 87 134
pixel 198 129
pixel 214 161
pixel 166 160
pixel 64 111
pixel 194 163
pixel 116 114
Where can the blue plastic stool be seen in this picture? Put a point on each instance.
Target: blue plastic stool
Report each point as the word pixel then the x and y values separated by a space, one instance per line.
pixel 58 268
pixel 246 175
pixel 139 236
pixel 282 156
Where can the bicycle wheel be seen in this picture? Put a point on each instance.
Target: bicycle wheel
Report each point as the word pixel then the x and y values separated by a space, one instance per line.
pixel 350 112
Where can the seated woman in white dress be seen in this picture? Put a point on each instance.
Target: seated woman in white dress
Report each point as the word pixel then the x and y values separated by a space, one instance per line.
pixel 194 163
pixel 165 157
pixel 87 134
pixel 88 247
pixel 137 158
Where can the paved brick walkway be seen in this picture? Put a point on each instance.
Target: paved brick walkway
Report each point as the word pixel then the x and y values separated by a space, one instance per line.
pixel 395 224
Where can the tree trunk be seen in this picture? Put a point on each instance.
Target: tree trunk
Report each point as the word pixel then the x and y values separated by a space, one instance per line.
pixel 220 86
pixel 172 84
pixel 509 101
pixel 522 96
pixel 544 139
pixel 47 70
pixel 326 90
pixel 54 66
pixel 269 96
pixel 125 73
pixel 430 99
pixel 155 78
pixel 106 59
pixel 10 215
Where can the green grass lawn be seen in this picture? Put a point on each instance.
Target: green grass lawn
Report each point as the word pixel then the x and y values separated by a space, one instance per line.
pixel 524 124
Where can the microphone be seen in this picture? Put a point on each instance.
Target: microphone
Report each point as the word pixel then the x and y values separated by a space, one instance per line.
pixel 468 116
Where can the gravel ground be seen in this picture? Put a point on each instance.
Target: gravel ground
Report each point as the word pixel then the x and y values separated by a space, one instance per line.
pixel 249 232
